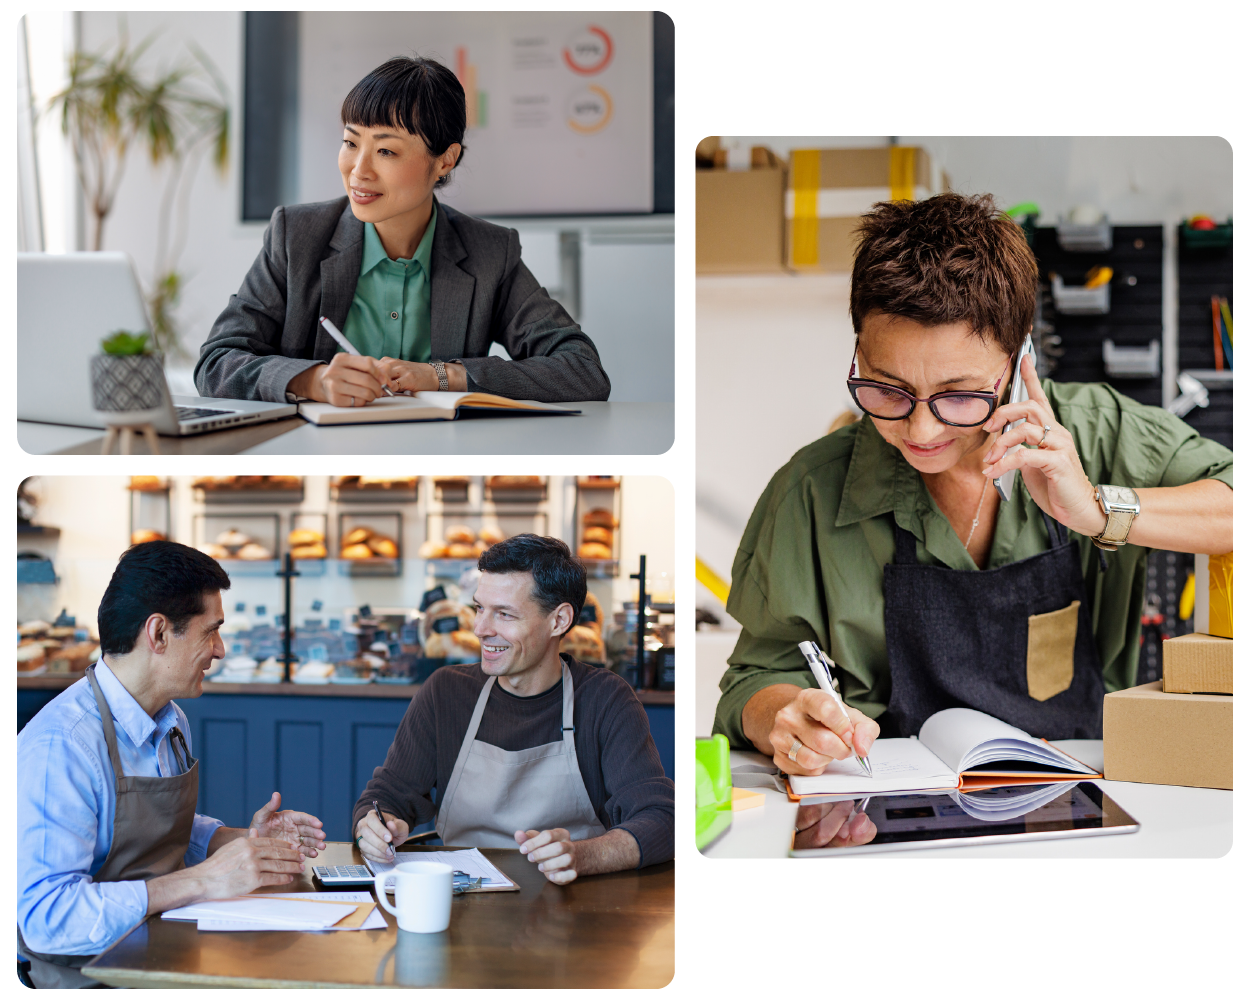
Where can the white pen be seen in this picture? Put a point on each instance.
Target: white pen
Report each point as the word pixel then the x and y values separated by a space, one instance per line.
pixel 346 344
pixel 819 665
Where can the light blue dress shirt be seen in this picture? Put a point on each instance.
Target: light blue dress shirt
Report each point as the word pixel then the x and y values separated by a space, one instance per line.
pixel 65 800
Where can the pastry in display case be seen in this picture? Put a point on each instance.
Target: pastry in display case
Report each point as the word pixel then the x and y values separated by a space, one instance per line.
pixel 515 489
pixel 306 543
pixel 249 489
pixel 235 544
pixel 371 488
pixel 598 534
pixel 61 648
pixel 141 535
pixel 447 627
pixel 148 484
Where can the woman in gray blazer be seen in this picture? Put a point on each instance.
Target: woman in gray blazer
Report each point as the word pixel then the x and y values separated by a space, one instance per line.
pixel 421 290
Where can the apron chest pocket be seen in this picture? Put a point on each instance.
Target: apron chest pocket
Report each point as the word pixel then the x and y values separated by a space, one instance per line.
pixel 1052 642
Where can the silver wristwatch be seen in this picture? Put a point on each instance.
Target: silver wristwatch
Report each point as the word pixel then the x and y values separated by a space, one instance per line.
pixel 440 370
pixel 1121 505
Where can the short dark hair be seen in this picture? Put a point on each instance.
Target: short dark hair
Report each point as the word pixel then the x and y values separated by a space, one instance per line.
pixel 155 578
pixel 558 577
pixel 947 259
pixel 421 96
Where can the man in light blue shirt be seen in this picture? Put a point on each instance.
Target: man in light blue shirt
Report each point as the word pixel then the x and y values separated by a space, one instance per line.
pixel 98 850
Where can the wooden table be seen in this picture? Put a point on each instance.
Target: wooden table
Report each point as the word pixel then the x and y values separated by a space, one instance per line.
pixel 602 931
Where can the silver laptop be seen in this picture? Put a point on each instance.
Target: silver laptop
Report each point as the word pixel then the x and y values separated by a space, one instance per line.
pixel 67 304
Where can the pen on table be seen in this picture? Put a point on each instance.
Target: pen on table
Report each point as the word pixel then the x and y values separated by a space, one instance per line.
pixel 819 665
pixel 347 345
pixel 382 820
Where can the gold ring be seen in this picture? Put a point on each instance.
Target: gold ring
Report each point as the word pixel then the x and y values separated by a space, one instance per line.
pixel 794 751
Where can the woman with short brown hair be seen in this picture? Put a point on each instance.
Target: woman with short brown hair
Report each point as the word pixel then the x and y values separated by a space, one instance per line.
pixel 887 544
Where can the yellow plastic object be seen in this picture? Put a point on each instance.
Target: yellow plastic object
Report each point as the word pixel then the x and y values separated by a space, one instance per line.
pixel 1185 607
pixel 744 798
pixel 710 579
pixel 902 173
pixel 1096 277
pixel 1220 574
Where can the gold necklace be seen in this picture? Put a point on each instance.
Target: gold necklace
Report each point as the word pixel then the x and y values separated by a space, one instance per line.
pixel 976 518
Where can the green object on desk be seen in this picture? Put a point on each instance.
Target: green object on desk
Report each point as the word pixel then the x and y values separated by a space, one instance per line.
pixel 713 789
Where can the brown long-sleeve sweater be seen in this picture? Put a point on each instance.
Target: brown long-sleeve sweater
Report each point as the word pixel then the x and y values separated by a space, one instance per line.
pixel 615 753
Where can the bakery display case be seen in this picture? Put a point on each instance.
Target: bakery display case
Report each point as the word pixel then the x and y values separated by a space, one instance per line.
pixel 598 523
pixel 346 595
pixel 249 489
pixel 151 515
pixel 515 489
pixel 370 543
pixel 374 489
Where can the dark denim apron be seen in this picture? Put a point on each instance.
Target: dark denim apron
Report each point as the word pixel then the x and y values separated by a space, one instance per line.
pixel 961 638
pixel 152 822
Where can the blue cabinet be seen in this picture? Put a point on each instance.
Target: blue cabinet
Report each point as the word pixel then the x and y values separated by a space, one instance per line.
pixel 318 750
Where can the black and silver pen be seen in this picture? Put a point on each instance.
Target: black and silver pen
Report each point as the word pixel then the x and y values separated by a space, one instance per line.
pixel 382 820
pixel 820 666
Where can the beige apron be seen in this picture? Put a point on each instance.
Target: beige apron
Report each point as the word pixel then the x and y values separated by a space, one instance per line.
pixel 493 793
pixel 152 822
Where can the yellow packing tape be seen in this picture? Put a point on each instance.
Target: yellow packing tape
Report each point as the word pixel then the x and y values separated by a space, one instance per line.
pixel 805 228
pixel 1220 575
pixel 902 173
pixel 711 579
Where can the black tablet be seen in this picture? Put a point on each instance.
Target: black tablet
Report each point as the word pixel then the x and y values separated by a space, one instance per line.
pixel 953 819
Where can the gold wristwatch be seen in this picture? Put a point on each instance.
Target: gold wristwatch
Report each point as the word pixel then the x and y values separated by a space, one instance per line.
pixel 1121 505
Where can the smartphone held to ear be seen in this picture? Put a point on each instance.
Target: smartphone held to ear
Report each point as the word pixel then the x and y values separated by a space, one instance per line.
pixel 1007 481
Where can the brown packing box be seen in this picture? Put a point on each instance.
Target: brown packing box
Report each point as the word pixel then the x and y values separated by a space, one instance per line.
pixel 1168 739
pixel 738 217
pixel 1198 663
pixel 850 181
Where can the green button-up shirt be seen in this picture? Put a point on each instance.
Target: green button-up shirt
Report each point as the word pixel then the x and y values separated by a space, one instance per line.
pixel 811 562
pixel 390 313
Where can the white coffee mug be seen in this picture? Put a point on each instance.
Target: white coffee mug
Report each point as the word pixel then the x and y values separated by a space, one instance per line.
pixel 422 895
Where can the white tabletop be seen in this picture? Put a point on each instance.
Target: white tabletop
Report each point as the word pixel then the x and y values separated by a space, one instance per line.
pixel 600 429
pixel 1176 822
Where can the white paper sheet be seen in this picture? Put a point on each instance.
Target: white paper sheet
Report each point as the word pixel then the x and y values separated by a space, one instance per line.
pixel 898 765
pixel 273 913
pixel 471 861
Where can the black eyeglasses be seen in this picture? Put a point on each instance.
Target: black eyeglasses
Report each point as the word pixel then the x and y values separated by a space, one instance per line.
pixel 957 408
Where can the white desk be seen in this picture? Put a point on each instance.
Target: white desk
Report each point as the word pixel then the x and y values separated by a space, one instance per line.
pixel 1175 822
pixel 600 429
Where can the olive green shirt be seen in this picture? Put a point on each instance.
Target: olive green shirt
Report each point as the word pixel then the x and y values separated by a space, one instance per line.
pixel 811 562
pixel 390 313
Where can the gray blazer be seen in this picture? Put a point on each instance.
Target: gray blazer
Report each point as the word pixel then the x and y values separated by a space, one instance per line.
pixel 480 292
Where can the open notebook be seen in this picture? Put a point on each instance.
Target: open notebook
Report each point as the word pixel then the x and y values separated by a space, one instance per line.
pixel 958 748
pixel 427 406
pixel 469 860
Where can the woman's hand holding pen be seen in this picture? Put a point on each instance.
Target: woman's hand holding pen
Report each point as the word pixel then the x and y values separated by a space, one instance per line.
pixel 780 714
pixel 348 380
pixel 375 840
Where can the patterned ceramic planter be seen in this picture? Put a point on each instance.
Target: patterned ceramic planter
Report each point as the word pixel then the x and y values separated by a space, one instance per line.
pixel 127 385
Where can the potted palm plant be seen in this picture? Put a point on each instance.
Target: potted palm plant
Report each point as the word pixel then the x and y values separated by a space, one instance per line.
pixel 177 115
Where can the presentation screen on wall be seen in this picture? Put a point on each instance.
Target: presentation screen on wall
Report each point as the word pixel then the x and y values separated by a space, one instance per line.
pixel 559 104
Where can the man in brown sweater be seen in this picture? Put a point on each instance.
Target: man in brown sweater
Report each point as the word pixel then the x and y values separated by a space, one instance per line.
pixel 527 748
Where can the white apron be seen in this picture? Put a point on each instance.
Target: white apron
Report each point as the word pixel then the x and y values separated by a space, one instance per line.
pixel 493 793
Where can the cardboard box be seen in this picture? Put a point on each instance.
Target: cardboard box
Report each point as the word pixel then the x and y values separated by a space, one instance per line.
pixel 1168 739
pixel 829 189
pixel 1198 663
pixel 738 223
pixel 1213 594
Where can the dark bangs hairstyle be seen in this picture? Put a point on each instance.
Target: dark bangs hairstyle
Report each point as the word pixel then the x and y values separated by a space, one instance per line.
pixel 155 578
pixel 947 259
pixel 421 96
pixel 558 577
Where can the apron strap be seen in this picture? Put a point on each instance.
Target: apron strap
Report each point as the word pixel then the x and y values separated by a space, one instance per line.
pixel 566 678
pixel 1052 529
pixel 106 717
pixel 904 546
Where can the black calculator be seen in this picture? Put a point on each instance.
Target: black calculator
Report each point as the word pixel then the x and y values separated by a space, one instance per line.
pixel 343 874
